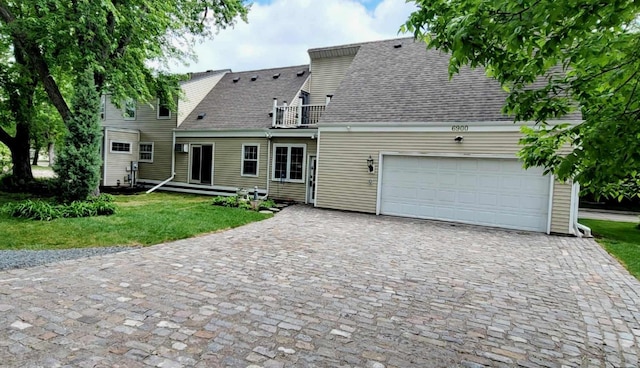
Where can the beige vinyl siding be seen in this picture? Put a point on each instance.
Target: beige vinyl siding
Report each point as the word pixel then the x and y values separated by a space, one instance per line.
pixel 119 162
pixel 227 161
pixel 194 92
pixel 326 75
pixel 344 181
pixel 561 213
pixel 152 129
pixel 227 165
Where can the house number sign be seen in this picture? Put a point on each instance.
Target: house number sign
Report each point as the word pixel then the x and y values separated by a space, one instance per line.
pixel 459 128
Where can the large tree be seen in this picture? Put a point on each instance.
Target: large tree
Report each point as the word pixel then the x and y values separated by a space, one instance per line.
pixel 582 54
pixel 18 84
pixel 119 40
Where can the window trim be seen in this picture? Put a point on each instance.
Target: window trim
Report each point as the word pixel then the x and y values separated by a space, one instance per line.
pixel 111 142
pixel 304 162
pixel 242 159
pixel 135 110
pixel 140 159
pixel 158 111
pixel 190 162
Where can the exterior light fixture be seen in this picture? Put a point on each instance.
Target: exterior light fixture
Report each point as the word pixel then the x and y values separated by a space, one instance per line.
pixel 459 139
pixel 370 164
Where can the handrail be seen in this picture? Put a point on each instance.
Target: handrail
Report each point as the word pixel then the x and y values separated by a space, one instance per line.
pixel 300 115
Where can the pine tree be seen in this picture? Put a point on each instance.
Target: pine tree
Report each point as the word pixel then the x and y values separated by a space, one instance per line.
pixel 78 162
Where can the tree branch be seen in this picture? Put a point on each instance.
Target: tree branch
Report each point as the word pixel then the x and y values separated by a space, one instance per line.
pixel 31 49
pixel 6 138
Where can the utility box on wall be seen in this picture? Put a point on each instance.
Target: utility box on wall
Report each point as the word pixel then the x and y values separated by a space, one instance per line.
pixel 182 147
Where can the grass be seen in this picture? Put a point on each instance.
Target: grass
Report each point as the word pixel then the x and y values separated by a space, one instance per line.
pixel 143 219
pixel 620 239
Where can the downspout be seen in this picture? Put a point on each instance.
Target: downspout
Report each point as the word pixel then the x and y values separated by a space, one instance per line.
pixel 104 156
pixel 581 231
pixel 173 165
pixel 268 161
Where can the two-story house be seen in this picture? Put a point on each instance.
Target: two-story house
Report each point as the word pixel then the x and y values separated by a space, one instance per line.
pixel 374 127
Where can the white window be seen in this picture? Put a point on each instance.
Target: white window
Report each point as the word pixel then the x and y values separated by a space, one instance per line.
pixel 120 147
pixel 103 107
pixel 146 152
pixel 129 109
pixel 250 154
pixel 163 110
pixel 288 162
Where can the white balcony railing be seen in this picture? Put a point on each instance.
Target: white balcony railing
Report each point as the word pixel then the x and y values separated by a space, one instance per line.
pixel 296 116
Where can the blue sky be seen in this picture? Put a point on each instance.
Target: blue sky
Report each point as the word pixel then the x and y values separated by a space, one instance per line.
pixel 279 32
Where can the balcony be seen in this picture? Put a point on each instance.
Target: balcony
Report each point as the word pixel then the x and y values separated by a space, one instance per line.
pixel 296 116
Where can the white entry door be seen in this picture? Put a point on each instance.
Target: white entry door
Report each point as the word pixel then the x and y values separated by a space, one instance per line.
pixel 481 191
pixel 311 182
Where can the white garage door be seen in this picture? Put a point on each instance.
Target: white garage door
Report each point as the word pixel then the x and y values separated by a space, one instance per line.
pixel 491 192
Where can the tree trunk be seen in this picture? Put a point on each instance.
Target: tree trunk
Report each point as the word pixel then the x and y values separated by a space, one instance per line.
pixel 36 155
pixel 52 154
pixel 21 164
pixel 20 153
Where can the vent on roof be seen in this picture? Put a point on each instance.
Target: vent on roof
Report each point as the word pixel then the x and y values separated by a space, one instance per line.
pixel 276 76
pixel 397 46
pixel 236 79
pixel 300 73
pixel 210 71
pixel 254 77
pixel 202 115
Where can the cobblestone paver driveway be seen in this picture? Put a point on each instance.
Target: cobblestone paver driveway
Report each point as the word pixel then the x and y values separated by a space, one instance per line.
pixel 314 288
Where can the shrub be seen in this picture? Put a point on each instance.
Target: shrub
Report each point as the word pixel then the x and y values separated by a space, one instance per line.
pixel 266 204
pixel 33 209
pixel 231 201
pixel 5 160
pixel 235 201
pixel 78 162
pixel 46 211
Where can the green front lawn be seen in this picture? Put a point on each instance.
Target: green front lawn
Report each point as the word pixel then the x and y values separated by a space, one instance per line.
pixel 142 219
pixel 621 239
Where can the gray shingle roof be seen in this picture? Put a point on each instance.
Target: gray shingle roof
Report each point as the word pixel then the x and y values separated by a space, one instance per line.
pixel 411 84
pixel 246 104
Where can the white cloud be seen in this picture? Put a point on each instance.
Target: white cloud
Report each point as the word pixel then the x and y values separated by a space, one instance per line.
pixel 280 33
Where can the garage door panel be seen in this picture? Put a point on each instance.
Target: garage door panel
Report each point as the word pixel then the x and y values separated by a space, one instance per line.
pixel 487 199
pixel 492 192
pixel 467 198
pixel 468 180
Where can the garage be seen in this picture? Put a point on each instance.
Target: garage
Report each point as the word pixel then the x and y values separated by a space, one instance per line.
pixel 480 191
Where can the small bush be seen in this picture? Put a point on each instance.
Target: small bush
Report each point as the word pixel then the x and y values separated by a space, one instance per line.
pixel 46 211
pixel 246 205
pixel 34 209
pixel 235 201
pixel 266 204
pixel 226 201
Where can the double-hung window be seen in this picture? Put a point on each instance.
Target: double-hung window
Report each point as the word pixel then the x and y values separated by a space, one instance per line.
pixel 250 155
pixel 288 162
pixel 129 112
pixel 163 110
pixel 145 152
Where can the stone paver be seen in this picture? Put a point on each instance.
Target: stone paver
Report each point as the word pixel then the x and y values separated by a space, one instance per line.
pixel 315 288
